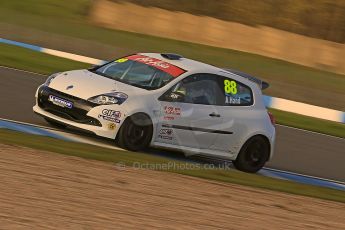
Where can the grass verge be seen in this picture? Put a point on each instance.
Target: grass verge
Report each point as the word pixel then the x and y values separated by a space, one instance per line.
pixel 131 158
pixel 26 59
pixel 71 20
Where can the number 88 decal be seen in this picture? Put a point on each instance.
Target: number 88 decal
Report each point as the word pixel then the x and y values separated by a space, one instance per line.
pixel 230 87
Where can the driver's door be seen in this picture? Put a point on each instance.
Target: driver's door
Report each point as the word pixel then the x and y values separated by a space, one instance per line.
pixel 189 113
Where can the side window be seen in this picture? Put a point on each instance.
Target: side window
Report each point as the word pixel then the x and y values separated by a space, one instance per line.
pixel 196 89
pixel 236 93
pixel 209 89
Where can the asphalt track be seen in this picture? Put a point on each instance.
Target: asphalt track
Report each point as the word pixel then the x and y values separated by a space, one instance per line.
pixel 296 150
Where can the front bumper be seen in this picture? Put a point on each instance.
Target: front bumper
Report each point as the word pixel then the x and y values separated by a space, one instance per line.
pixel 78 113
pixel 83 115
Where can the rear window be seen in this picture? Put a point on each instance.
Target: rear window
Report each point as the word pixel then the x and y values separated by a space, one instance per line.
pixel 141 71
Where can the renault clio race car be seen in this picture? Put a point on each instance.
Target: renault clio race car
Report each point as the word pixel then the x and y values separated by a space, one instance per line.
pixel 166 101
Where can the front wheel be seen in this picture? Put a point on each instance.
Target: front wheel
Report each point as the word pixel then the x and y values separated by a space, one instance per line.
pixel 253 155
pixel 135 133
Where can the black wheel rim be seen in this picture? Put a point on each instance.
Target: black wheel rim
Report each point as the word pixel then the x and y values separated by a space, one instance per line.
pixel 256 153
pixel 136 134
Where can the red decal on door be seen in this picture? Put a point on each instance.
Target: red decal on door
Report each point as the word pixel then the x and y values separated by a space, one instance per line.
pixel 172 110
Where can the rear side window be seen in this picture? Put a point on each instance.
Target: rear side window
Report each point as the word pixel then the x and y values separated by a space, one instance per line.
pixel 236 93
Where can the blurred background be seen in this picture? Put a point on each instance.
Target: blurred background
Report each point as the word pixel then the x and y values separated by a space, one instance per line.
pixel 324 19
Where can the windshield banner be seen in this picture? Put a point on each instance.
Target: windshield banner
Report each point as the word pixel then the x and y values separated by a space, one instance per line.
pixel 159 64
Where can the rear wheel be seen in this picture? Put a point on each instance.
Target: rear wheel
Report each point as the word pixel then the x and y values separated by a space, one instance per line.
pixel 253 155
pixel 54 123
pixel 136 132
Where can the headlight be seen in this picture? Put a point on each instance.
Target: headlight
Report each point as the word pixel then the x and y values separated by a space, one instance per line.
pixel 109 98
pixel 50 78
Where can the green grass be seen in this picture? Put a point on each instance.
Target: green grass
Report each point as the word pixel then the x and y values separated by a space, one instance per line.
pixel 309 123
pixel 26 59
pixel 287 80
pixel 42 63
pixel 129 158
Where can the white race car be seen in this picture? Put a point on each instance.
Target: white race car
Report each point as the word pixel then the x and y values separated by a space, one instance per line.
pixel 166 101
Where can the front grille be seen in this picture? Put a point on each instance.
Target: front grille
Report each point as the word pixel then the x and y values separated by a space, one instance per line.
pixel 77 113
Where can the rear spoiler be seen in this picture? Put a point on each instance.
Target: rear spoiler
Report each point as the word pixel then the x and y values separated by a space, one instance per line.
pixel 262 84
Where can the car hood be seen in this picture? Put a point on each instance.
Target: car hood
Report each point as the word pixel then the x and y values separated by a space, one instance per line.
pixel 85 84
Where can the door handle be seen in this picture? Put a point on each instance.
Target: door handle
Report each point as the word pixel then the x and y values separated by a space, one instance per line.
pixel 214 114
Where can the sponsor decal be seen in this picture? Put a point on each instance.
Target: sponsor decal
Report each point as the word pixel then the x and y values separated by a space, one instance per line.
pixel 110 115
pixel 111 126
pixel 159 64
pixel 175 96
pixel 166 134
pixel 169 118
pixel 121 60
pixel 60 102
pixel 170 110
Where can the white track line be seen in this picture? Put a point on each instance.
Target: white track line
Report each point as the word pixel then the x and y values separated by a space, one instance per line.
pixel 21 70
pixel 34 125
pixel 309 131
pixel 73 136
pixel 299 174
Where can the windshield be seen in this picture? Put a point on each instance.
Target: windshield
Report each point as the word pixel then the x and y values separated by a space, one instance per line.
pixel 140 71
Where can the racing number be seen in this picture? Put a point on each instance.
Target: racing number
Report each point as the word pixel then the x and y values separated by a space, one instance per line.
pixel 230 87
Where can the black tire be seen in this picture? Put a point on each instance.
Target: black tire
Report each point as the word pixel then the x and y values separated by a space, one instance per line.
pixel 136 132
pixel 253 155
pixel 55 124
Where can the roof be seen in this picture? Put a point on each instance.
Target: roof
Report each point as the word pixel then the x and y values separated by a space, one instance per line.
pixel 184 63
pixel 195 66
